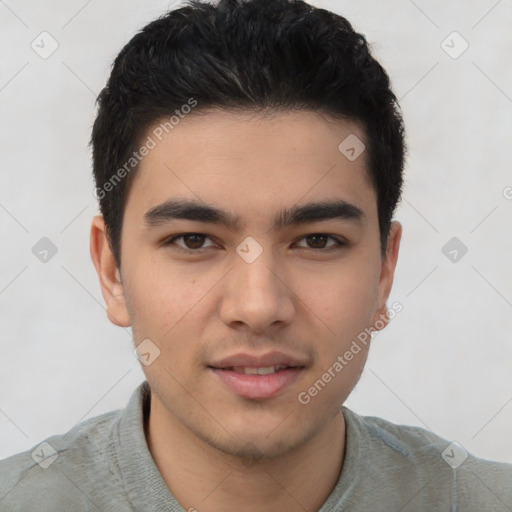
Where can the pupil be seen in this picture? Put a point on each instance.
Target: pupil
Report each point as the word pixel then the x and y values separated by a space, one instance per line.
pixel 198 246
pixel 316 237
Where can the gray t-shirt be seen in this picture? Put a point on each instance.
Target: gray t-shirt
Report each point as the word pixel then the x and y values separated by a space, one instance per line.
pixel 104 464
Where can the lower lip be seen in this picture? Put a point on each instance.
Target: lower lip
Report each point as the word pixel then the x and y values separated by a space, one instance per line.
pixel 258 386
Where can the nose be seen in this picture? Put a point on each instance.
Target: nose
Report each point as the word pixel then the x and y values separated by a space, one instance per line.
pixel 257 295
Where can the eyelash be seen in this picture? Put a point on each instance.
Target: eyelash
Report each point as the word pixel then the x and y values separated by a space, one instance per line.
pixel 339 242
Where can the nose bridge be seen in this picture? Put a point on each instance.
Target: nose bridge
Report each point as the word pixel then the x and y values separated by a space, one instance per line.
pixel 255 266
pixel 256 295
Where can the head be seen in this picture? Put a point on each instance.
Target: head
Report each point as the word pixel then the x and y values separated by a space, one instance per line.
pixel 277 122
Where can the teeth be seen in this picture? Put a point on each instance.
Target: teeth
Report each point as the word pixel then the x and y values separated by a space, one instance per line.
pixel 248 370
pixel 264 371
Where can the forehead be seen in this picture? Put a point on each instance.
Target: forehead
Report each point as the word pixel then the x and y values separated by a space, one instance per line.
pixel 252 162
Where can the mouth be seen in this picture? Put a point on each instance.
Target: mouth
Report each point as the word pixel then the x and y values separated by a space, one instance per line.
pixel 257 382
pixel 251 370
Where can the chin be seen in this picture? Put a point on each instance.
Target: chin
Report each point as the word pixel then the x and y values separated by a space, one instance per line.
pixel 252 451
pixel 253 445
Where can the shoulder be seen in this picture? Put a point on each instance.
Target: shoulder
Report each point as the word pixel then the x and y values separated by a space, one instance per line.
pixel 417 455
pixel 60 469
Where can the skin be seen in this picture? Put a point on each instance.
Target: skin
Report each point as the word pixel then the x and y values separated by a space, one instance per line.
pixel 215 449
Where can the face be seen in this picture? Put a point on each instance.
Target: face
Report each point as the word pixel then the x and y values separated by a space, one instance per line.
pixel 266 283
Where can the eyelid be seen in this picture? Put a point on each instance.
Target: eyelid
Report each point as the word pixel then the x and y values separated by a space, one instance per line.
pixel 171 241
pixel 340 242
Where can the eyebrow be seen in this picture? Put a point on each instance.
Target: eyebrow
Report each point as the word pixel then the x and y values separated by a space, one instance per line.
pixel 297 215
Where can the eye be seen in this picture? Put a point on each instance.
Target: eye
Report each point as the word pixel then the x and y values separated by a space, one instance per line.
pixel 317 239
pixel 193 242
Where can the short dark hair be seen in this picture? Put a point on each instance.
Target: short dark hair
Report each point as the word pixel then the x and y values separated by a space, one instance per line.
pixel 244 55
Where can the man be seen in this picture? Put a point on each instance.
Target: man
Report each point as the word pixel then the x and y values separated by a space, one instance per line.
pixel 248 160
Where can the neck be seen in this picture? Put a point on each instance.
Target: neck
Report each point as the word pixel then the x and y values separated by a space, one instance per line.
pixel 205 479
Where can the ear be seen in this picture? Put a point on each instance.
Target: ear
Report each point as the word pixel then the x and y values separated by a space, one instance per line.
pixel 108 274
pixel 386 275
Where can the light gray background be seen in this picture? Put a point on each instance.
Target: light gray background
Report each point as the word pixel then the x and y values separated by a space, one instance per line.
pixel 445 361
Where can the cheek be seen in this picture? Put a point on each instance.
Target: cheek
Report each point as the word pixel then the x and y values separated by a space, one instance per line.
pixel 342 299
pixel 164 296
pixel 341 306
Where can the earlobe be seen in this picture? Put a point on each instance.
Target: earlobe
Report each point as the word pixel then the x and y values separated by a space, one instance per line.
pixel 381 318
pixel 109 276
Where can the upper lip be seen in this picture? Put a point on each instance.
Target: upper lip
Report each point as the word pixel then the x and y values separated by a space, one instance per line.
pixel 258 361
